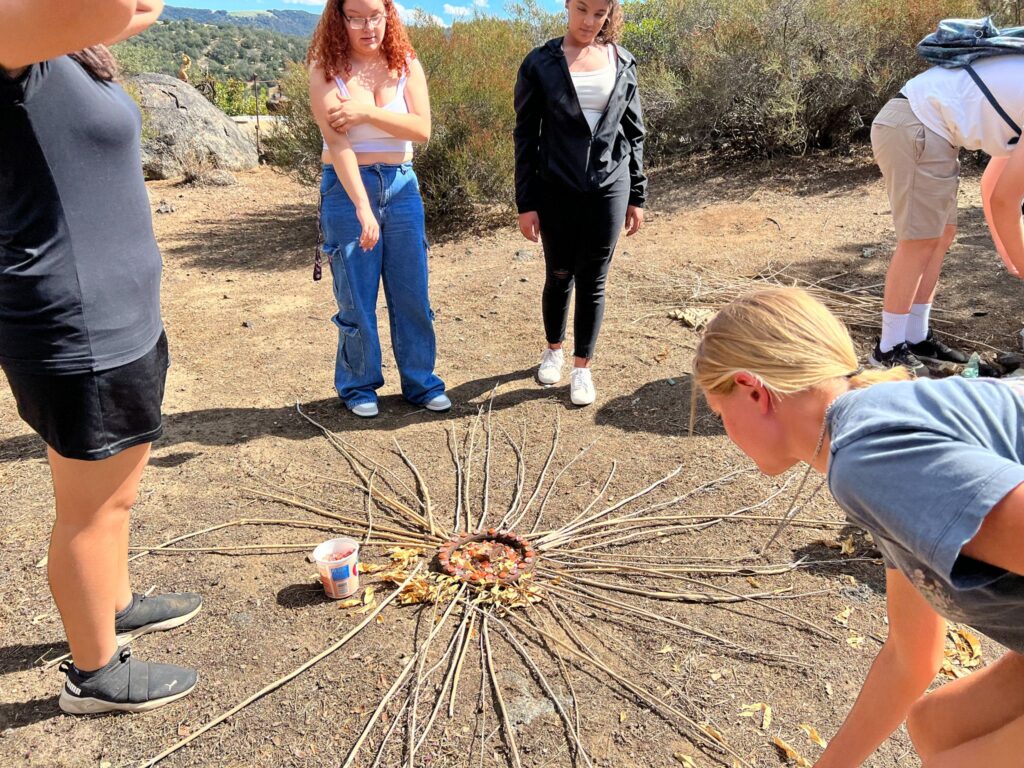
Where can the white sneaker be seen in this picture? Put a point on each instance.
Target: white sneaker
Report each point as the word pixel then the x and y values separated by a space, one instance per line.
pixel 581 387
pixel 551 364
pixel 365 410
pixel 438 404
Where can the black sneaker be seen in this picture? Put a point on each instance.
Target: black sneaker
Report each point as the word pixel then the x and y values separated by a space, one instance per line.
pixel 124 684
pixel 899 355
pixel 931 350
pixel 155 614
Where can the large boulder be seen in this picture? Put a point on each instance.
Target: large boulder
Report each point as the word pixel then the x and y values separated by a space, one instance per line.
pixel 184 134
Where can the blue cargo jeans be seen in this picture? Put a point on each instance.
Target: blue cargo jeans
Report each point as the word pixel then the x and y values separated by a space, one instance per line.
pixel 400 259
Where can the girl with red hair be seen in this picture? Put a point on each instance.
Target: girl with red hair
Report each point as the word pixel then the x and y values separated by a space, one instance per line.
pixel 369 96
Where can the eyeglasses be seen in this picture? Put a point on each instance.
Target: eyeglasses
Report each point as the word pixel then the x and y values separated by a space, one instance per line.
pixel 362 22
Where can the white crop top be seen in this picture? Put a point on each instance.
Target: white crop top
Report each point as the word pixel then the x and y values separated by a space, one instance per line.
pixel 594 89
pixel 370 138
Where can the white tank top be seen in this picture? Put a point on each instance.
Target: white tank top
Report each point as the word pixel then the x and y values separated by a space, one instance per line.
pixel 950 103
pixel 370 138
pixel 594 89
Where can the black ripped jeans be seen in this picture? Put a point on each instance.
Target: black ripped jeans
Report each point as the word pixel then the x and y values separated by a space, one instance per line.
pixel 579 232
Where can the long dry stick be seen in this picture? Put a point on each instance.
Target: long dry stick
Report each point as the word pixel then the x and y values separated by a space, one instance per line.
pixel 579 592
pixel 387 734
pixel 458 666
pixel 457 642
pixel 507 728
pixel 697 732
pixel 350 453
pixel 543 471
pixel 294 502
pixel 520 478
pixel 548 541
pixel 593 503
pixel 417 683
pixel 554 482
pixel 369 508
pixel 399 681
pixel 453 448
pixel 571 730
pixel 488 430
pixel 423 489
pixel 290 676
pixel 468 473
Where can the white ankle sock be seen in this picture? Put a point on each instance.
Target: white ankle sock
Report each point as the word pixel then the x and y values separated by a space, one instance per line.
pixel 894 330
pixel 917 324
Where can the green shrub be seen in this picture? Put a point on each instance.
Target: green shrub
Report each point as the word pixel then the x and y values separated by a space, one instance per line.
pixel 295 143
pixel 237 97
pixel 773 76
pixel 764 77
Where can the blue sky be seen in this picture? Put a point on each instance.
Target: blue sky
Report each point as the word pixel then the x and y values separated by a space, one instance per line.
pixel 446 11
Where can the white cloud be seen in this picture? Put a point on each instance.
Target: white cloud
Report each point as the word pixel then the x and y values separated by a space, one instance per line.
pixel 480 3
pixel 457 10
pixel 417 16
pixel 317 3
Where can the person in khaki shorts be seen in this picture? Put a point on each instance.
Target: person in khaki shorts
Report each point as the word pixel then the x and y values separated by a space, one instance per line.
pixel 916 139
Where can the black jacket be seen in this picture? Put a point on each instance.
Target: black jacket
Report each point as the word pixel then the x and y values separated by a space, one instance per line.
pixel 553 140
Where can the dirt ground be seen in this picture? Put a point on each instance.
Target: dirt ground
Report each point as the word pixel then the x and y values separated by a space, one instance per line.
pixel 251 336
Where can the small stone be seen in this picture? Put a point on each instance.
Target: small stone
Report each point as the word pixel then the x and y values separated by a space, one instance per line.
pixel 246 324
pixel 523 255
pixel 165 207
pixel 524 279
pixel 670 382
pixel 868 253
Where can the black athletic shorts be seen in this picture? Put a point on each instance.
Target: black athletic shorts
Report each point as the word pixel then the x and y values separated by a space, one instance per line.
pixel 93 416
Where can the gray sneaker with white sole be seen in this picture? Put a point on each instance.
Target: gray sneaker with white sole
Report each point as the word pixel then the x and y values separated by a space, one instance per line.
pixel 124 684
pixel 155 614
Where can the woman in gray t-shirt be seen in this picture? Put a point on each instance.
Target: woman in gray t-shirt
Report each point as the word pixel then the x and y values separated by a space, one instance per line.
pixel 934 470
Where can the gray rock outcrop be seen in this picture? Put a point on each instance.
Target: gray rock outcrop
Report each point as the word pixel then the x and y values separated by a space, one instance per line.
pixel 184 134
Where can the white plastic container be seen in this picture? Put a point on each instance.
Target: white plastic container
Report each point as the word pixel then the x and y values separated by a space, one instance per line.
pixel 337 561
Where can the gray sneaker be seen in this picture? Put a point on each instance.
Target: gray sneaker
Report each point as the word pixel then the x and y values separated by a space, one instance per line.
pixel 155 614
pixel 124 684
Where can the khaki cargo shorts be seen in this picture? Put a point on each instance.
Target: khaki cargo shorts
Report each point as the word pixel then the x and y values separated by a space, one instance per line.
pixel 921 171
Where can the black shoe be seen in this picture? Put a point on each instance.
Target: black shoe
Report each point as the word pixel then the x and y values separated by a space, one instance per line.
pixel 155 614
pixel 931 350
pixel 899 355
pixel 123 684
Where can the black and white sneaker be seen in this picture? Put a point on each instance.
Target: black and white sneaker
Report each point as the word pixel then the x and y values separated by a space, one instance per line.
pixel 155 614
pixel 124 684
pixel 932 350
pixel 899 355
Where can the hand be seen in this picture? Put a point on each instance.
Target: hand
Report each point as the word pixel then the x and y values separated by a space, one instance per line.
pixel 371 229
pixel 634 220
pixel 347 113
pixel 529 225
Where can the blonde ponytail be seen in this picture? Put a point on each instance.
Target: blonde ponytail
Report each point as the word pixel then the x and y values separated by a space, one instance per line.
pixel 786 338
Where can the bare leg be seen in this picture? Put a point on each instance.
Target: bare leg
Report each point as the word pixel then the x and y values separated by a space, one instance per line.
pixel 1000 749
pixel 969 709
pixel 914 271
pixel 88 557
pixel 581 362
pixel 930 279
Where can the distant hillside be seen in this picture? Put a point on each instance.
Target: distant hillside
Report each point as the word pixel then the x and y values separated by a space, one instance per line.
pixel 299 23
pixel 222 50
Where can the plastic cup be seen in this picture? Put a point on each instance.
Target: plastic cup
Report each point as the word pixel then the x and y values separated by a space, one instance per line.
pixel 337 561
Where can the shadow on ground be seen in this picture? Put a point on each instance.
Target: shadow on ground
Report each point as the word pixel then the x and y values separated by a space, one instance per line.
pixel 660 407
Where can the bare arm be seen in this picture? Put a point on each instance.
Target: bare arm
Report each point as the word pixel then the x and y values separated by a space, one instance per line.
pixel 901 673
pixel 322 94
pixel 414 126
pixel 146 14
pixel 1005 221
pixel 1000 541
pixel 38 30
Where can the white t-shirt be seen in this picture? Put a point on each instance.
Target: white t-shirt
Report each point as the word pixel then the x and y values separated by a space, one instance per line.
pixel 950 103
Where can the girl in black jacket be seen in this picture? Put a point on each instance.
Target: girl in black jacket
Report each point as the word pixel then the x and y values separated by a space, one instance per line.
pixel 579 141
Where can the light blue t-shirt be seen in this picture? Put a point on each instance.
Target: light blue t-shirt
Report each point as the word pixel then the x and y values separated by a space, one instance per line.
pixel 919 464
